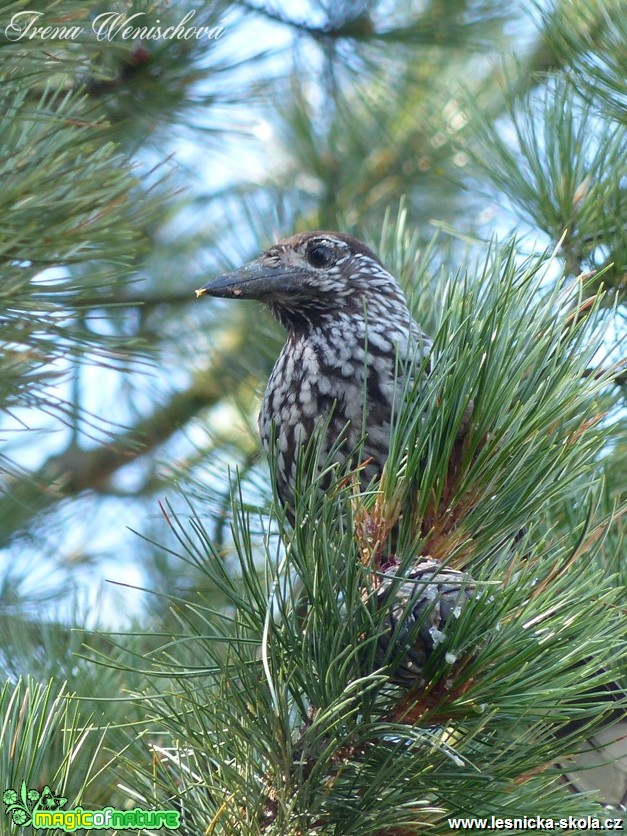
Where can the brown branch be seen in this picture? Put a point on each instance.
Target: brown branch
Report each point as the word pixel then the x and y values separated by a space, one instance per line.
pixel 76 471
pixel 357 27
pixel 125 300
pixel 619 379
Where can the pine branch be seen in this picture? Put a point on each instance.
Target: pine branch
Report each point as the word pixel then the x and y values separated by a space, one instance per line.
pixel 307 726
pixel 43 736
pixel 589 38
pixel 561 173
pixel 75 471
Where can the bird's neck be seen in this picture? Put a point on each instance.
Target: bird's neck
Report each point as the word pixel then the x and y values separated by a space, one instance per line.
pixel 302 321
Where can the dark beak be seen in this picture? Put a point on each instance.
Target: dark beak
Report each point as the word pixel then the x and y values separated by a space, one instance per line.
pixel 252 281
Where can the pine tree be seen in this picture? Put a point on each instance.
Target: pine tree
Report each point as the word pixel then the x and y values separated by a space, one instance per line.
pixel 257 698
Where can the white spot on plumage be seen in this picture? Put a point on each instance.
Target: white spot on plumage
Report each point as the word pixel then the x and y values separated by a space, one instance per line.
pixel 299 432
pixel 310 408
pixel 324 385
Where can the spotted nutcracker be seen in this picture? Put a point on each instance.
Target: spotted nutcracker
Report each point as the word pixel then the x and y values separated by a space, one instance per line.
pixel 351 342
pixel 350 335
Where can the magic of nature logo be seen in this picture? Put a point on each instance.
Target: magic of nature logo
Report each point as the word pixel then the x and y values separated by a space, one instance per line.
pixel 43 809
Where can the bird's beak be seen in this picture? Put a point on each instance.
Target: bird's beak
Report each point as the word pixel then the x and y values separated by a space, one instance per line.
pixel 254 280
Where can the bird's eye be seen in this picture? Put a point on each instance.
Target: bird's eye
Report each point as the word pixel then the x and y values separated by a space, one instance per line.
pixel 320 256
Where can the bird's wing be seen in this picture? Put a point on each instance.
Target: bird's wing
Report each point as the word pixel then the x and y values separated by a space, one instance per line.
pixel 602 765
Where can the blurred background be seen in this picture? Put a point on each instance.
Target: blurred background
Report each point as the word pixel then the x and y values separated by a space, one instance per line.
pixel 135 166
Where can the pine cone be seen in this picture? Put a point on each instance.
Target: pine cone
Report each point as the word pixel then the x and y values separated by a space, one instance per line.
pixel 432 596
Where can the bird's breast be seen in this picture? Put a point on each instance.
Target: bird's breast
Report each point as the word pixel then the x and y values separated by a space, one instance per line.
pixel 312 376
pixel 328 378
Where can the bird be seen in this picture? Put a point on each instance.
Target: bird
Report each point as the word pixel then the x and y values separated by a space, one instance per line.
pixel 600 764
pixel 351 343
pixel 352 346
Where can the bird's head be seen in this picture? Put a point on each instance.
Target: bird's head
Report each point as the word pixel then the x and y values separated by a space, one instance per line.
pixel 312 276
